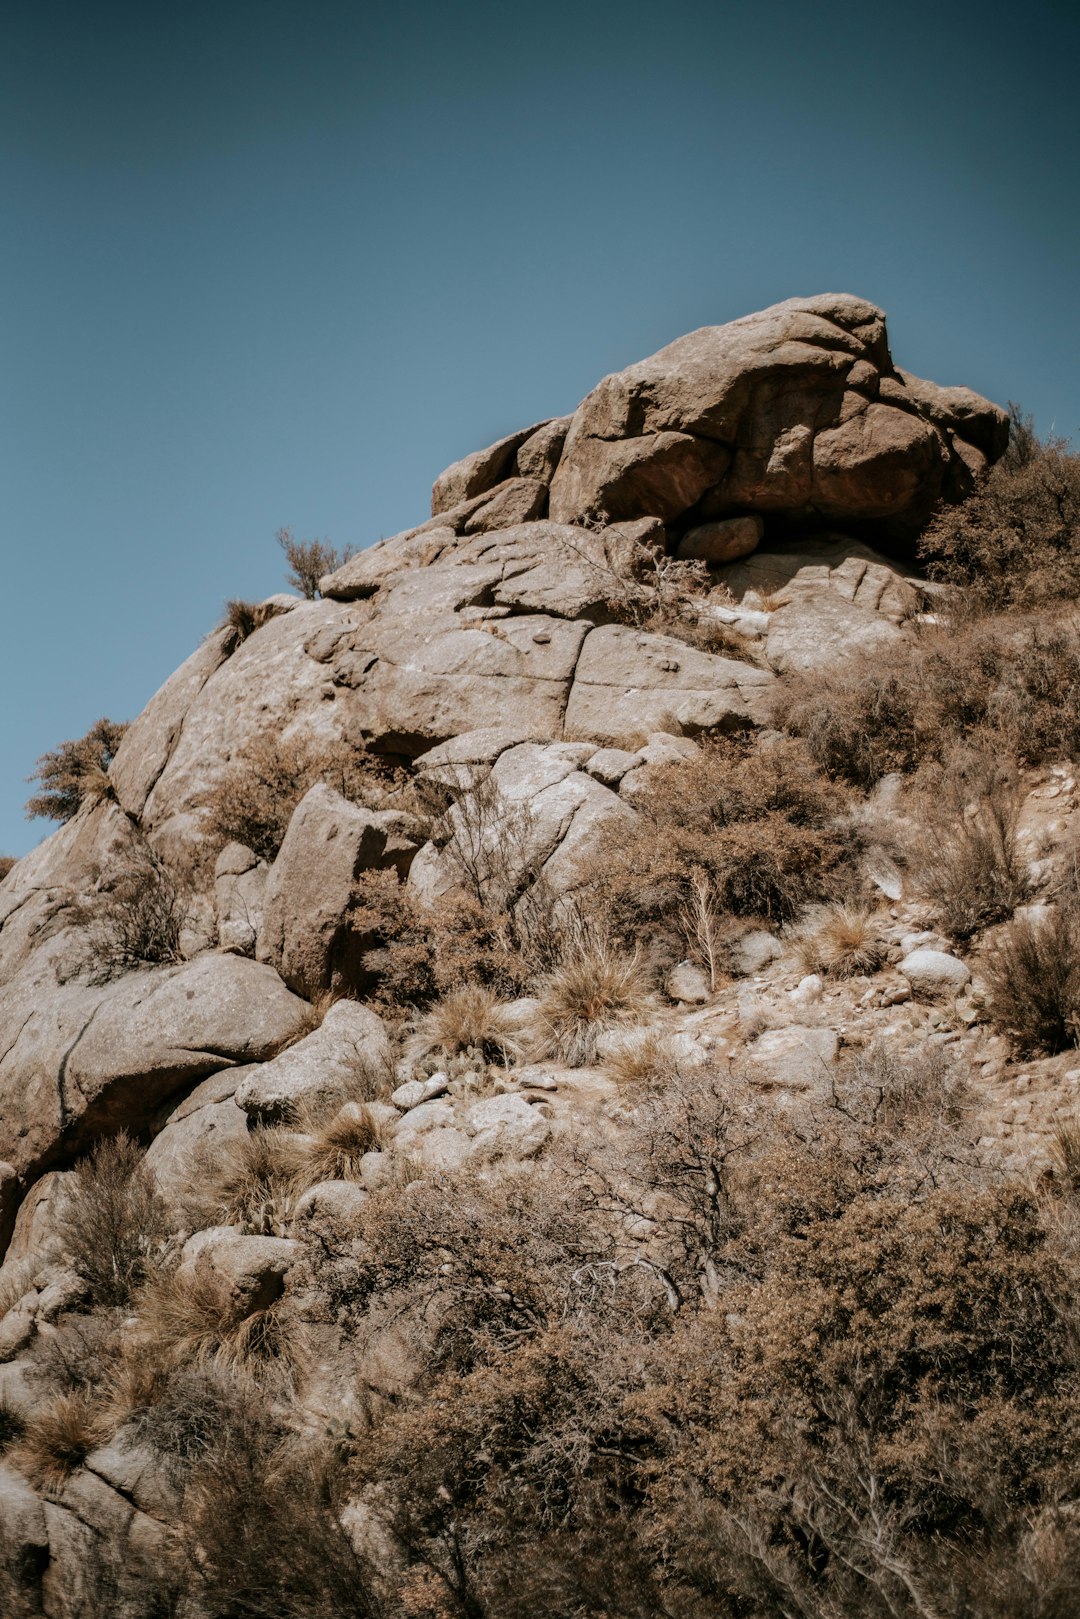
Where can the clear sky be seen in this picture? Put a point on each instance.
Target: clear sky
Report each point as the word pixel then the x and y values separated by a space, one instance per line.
pixel 266 262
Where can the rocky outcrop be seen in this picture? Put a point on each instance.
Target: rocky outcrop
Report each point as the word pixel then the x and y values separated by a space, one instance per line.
pixel 328 844
pixel 81 1061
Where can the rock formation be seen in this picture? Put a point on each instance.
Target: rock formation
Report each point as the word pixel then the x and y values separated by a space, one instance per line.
pixel 595 602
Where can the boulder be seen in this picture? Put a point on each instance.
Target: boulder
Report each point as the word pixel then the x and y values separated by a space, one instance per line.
pixel 328 844
pixel 347 1050
pixel 821 630
pixel 479 472
pixel 724 541
pixel 506 1127
pixel 239 892
pixel 792 1060
pixel 331 1203
pixel 249 1270
pixel 548 817
pixel 628 682
pixel 80 1061
pixel 187 1146
pixel 796 412
pixel 934 972
pixel 687 983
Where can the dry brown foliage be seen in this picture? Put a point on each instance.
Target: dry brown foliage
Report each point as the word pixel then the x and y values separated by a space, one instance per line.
pixel 8 863
pixel 57 1438
pixel 309 561
pixel 337 1145
pixel 1033 981
pixel 1011 682
pixel 840 940
pixel 241 619
pixel 965 859
pixel 740 829
pixel 253 800
pixel 1015 542
pixel 112 1226
pixel 132 918
pixel 185 1317
pixel 251 1182
pixel 75 773
pixel 594 988
pixel 472 1016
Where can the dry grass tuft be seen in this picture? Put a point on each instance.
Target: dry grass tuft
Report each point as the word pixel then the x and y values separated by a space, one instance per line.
pixel 186 1317
pixel 252 1184
pixel 8 863
pixel 58 1437
pixel 242 619
pixel 646 1060
pixel 966 860
pixel 595 987
pixel 472 1017
pixel 1065 1153
pixel 337 1146
pixel 840 940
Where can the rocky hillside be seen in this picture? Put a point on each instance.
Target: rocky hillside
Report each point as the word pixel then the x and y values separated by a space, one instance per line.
pixel 542 1078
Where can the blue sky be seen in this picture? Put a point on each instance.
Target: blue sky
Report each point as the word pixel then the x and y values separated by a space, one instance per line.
pixel 279 263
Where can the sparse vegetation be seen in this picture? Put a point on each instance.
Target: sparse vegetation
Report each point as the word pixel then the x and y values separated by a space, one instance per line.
pixel 337 1145
pixel 242 619
pixel 7 865
pixel 253 800
pixel 112 1226
pixel 309 561
pixel 965 858
pixel 1015 542
pixel 133 918
pixel 1033 981
pixel 75 773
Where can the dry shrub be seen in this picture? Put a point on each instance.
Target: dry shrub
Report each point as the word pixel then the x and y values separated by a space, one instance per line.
pixel 132 920
pixel 263 1532
pixel 1015 542
pixel 472 1016
pixel 1033 981
pixel 413 953
pixel 309 561
pixel 738 829
pixel 965 859
pixel 841 940
pixel 1014 682
pixel 112 1226
pixel 186 1317
pixel 58 1437
pixel 1065 1149
pixel 75 773
pixel 251 1183
pixel 253 801
pixel 593 989
pixel 641 1060
pixel 242 619
pixel 337 1146
pixel 8 863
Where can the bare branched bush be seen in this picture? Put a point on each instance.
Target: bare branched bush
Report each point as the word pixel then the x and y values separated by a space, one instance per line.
pixel 487 838
pixel 75 773
pixel 112 1226
pixel 241 619
pixel 253 801
pixel 132 919
pixel 840 940
pixel 593 989
pixel 309 561
pixel 965 858
pixel 1033 981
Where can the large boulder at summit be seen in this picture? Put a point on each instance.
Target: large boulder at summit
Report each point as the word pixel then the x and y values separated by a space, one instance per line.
pixel 80 1061
pixel 796 413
